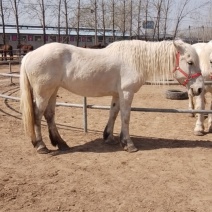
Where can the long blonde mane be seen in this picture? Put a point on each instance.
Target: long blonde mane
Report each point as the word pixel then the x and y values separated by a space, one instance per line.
pixel 153 60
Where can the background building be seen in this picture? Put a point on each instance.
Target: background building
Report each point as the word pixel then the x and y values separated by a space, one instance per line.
pixel 34 35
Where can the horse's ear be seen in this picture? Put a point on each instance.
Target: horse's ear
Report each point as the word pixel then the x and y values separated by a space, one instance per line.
pixel 180 46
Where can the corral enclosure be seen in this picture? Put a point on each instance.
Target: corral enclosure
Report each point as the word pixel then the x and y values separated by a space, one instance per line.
pixel 171 171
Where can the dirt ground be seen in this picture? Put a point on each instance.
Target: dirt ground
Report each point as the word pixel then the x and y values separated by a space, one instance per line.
pixel 171 172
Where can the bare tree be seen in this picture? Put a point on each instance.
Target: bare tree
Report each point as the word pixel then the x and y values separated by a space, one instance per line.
pixel 66 20
pixel 42 6
pixel 157 5
pixel 146 16
pixel 58 21
pixel 139 20
pixel 167 8
pixel 103 21
pixel 201 28
pixel 124 18
pixel 180 15
pixel 95 20
pixel 14 5
pixel 38 10
pixel 3 24
pixel 78 21
pixel 121 18
pixel 113 20
pixel 131 17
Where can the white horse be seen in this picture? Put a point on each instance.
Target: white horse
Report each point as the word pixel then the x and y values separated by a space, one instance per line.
pixel 204 51
pixel 119 70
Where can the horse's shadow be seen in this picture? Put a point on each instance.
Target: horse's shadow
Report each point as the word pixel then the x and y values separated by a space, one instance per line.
pixel 142 143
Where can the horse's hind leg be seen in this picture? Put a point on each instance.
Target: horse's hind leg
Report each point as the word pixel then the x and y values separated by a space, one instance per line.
pixel 49 115
pixel 108 132
pixel 39 107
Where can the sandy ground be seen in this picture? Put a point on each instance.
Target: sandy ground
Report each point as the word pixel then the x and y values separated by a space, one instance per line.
pixel 171 172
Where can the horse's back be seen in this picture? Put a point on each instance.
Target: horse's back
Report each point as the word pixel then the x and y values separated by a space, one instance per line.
pixel 6 47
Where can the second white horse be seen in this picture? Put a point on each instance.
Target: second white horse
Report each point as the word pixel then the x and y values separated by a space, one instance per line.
pixel 204 51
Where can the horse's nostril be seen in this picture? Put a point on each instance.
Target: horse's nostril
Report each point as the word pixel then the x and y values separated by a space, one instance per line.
pixel 199 90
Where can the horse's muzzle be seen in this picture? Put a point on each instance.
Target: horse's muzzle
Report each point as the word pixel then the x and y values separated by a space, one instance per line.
pixel 196 92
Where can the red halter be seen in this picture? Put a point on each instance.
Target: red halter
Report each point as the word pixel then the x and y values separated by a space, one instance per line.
pixel 188 76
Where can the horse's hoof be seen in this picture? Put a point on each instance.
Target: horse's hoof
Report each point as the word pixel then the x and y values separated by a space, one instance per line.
pixel 111 142
pixel 63 147
pixel 43 150
pixel 131 149
pixel 198 133
pixel 128 148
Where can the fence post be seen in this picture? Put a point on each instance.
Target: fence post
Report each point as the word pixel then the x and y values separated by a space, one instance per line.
pixel 11 78
pixel 85 114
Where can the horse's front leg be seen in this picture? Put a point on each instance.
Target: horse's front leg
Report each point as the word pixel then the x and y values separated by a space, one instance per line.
pixel 4 56
pixel 190 102
pixel 210 117
pixel 108 132
pixel 11 55
pixel 200 105
pixel 126 98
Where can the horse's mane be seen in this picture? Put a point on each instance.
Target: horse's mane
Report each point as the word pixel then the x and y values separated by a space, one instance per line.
pixel 154 60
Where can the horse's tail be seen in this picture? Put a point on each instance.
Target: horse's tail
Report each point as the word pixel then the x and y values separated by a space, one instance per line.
pixel 26 104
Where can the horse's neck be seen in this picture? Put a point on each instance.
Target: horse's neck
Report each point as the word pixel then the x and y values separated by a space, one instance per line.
pixel 160 60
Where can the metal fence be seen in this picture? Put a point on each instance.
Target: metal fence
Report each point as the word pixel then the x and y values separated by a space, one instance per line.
pixel 86 106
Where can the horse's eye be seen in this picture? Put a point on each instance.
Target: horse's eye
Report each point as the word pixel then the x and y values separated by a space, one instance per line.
pixel 190 63
pixel 211 62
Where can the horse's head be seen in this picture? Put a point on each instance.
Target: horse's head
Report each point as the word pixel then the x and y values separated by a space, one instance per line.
pixel 187 70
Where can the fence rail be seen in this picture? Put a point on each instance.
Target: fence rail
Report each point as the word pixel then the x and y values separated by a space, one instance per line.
pixel 103 107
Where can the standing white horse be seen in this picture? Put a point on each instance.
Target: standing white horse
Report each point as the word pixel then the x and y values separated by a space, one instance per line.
pixel 204 51
pixel 119 70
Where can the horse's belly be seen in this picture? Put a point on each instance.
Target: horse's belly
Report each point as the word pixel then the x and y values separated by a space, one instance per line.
pixel 91 88
pixel 90 91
